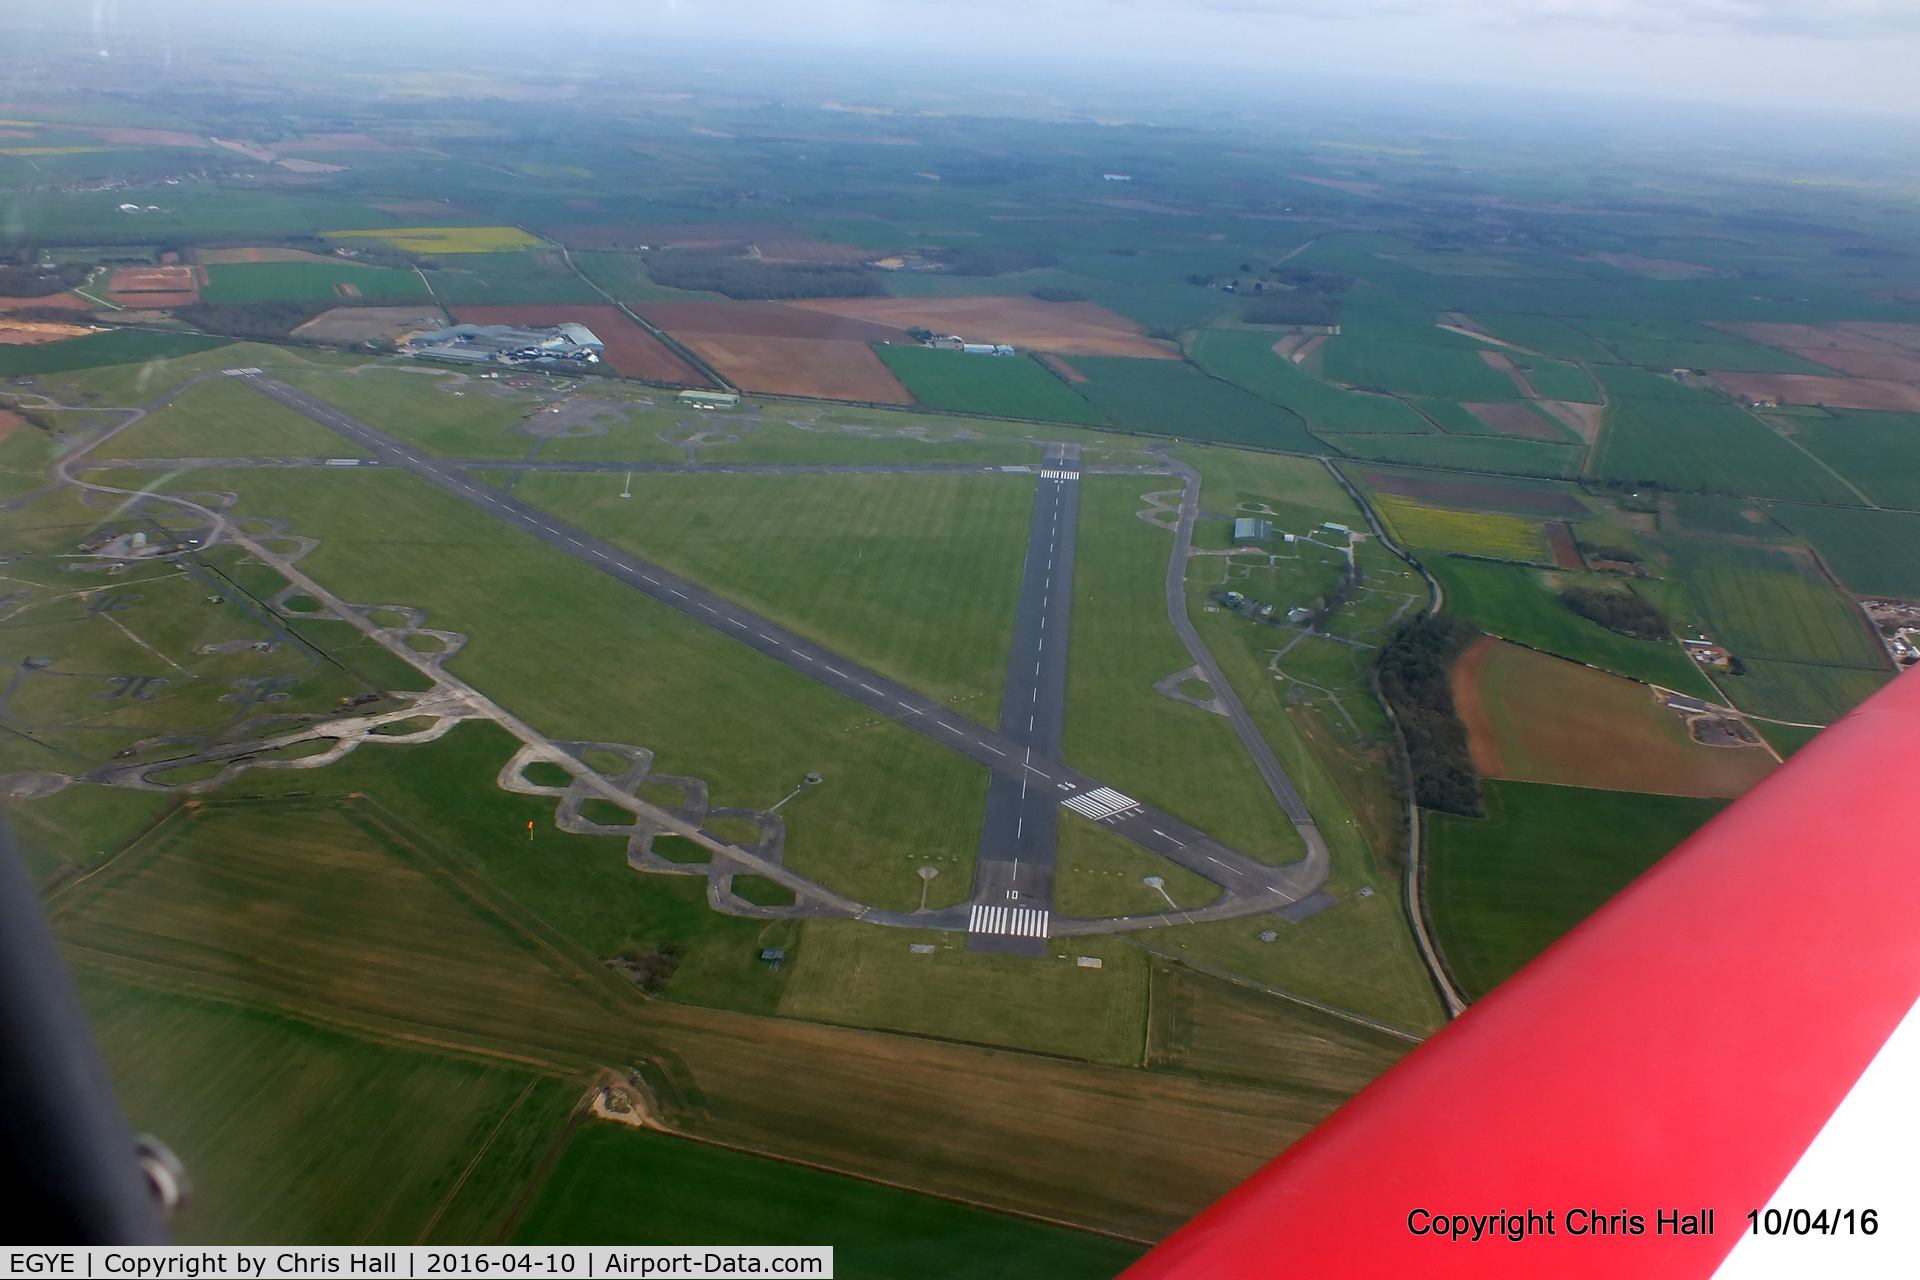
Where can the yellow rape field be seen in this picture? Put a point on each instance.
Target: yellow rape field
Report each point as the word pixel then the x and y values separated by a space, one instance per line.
pixel 446 239
pixel 1503 537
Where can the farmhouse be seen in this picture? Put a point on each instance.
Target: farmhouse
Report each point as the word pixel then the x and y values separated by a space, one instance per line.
pixel 1706 653
pixel 547 346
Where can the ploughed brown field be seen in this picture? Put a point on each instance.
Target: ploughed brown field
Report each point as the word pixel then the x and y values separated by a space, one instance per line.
pixel 1566 551
pixel 764 320
pixel 1532 717
pixel 1511 418
pixel 1845 335
pixel 1836 392
pixel 1498 360
pixel 708 237
pixel 146 287
pixel 822 251
pixel 631 351
pixel 28 333
pixel 1064 369
pixel 822 368
pixel 65 301
pixel 1063 328
pixel 1471 494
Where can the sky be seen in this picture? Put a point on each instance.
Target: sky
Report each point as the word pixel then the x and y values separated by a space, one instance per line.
pixel 1794 55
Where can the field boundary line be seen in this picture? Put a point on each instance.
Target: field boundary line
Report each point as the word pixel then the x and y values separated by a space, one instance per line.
pixel 1227 975
pixel 453 1192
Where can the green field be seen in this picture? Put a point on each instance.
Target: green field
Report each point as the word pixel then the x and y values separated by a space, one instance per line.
pixel 1701 443
pixel 1502 888
pixel 618 1185
pixel 1247 359
pixel 581 656
pixel 1415 368
pixel 241 282
pixel 224 418
pixel 1206 1025
pixel 853 973
pixel 1546 335
pixel 1873 552
pixel 1557 381
pixel 298 1135
pixel 1183 761
pixel 96 350
pixel 914 576
pixel 1763 603
pixel 1172 398
pixel 1802 692
pixel 501 278
pixel 1469 453
pixel 1878 452
pixel 1000 387
pixel 1514 602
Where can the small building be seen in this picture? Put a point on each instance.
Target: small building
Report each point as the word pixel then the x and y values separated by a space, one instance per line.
pixel 1299 614
pixel 1332 527
pixel 708 399
pixel 1247 529
pixel 774 956
pixel 947 342
pixel 1116 177
pixel 986 349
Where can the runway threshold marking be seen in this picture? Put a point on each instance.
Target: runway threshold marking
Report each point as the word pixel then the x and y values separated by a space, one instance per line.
pixel 1017 922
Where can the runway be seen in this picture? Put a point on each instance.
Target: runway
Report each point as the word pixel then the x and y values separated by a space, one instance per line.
pixel 1013 871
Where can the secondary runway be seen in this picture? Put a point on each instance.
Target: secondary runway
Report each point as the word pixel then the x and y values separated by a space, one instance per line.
pixel 1013 872
pixel 617 468
pixel 1248 886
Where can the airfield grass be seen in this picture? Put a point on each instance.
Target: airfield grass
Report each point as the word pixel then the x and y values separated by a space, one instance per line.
pixel 1247 359
pixel 1097 874
pixel 631 670
pixel 1502 888
pixel 1873 552
pixel 1208 1026
pixel 852 973
pixel 223 418
pixel 1692 441
pixel 1469 453
pixel 426 409
pixel 1765 603
pixel 831 443
pixel 1878 452
pixel 1517 604
pixel 1416 525
pixel 1177 758
pixel 1172 398
pixel 916 576
pixel 131 385
pixel 1801 692
pixel 243 282
pixel 1414 368
pixel 1357 955
pixel 297 1134
pixel 619 1185
pixel 1003 387
pixel 1339 766
pixel 95 350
